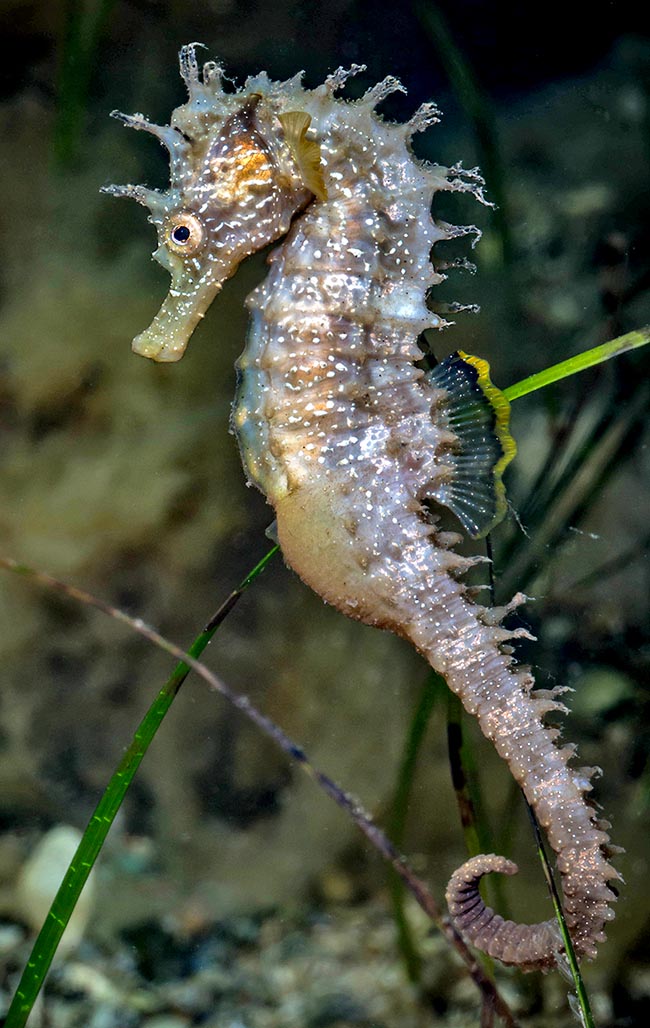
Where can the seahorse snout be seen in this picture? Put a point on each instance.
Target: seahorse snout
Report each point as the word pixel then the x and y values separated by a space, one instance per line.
pixel 168 334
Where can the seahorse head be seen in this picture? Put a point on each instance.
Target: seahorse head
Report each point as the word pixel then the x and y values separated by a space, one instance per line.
pixel 241 164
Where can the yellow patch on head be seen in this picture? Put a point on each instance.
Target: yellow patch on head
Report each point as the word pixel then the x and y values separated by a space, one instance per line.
pixel 234 173
pixel 252 163
pixel 305 152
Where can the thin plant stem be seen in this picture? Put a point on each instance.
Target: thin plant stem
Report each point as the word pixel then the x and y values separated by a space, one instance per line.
pixel 398 817
pixel 462 778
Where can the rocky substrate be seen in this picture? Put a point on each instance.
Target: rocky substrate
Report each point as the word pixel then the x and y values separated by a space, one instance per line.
pixel 315 968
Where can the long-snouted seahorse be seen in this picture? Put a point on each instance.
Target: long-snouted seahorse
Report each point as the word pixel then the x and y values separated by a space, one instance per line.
pixel 346 434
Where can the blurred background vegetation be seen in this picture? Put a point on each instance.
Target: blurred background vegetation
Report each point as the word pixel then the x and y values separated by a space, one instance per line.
pixel 122 476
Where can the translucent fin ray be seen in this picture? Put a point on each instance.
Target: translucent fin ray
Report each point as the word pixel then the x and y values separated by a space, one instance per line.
pixel 478 414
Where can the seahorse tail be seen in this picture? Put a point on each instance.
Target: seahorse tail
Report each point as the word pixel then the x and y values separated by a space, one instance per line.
pixel 533 947
pixel 465 643
pixel 476 661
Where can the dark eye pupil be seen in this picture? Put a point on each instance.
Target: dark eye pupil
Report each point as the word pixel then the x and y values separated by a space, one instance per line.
pixel 181 234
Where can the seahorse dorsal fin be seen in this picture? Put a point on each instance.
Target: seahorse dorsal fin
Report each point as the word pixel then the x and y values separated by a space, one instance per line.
pixel 306 152
pixel 478 414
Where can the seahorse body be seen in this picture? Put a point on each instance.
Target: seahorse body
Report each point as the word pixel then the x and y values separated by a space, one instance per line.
pixel 347 435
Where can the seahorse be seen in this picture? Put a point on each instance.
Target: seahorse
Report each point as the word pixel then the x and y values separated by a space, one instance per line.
pixel 351 439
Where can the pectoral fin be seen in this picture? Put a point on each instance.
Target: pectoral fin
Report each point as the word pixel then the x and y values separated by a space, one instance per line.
pixel 478 414
pixel 305 152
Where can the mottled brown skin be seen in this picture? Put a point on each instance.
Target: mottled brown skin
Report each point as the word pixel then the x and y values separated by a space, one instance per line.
pixel 344 433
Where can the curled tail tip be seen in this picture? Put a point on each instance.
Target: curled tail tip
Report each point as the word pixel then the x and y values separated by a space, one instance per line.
pixel 535 947
pixel 528 947
pixel 477 867
pixel 463 899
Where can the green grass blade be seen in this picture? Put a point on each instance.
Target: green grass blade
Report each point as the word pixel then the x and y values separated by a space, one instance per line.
pixel 93 838
pixel 84 24
pixel 580 362
pixel 572 960
pixel 399 812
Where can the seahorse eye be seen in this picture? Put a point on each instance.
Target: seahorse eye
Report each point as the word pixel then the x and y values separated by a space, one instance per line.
pixel 184 233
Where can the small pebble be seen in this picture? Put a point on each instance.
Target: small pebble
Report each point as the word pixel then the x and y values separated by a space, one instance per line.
pixel 11 935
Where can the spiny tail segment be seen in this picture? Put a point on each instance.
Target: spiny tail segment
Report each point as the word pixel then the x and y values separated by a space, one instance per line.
pixel 500 694
pixel 466 643
pixel 409 581
pixel 478 414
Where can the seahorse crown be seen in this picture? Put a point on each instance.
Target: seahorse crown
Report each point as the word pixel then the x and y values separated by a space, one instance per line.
pixel 351 439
